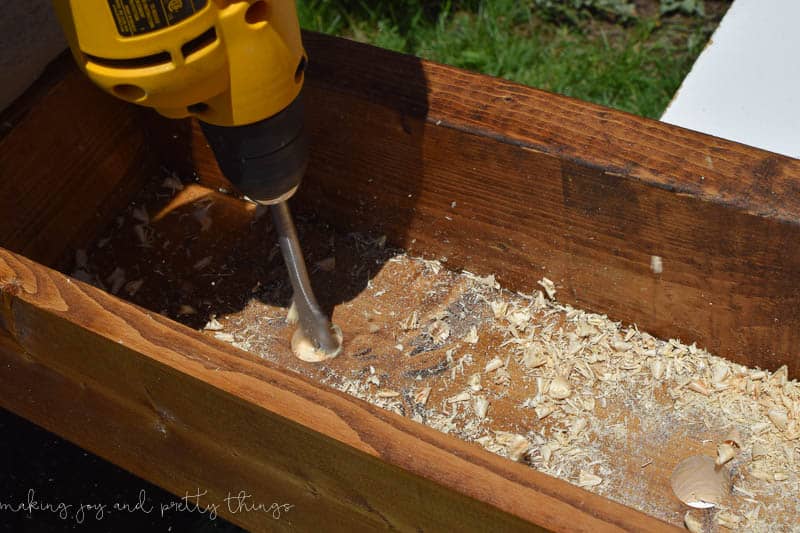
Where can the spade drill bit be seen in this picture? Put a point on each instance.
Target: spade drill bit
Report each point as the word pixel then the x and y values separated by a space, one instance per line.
pixel 313 321
pixel 266 161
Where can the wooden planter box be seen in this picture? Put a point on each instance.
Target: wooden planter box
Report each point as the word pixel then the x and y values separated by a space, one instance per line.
pixel 545 185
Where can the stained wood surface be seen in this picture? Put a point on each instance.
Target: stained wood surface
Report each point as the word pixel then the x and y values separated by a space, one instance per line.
pixel 72 158
pixel 183 410
pixel 548 185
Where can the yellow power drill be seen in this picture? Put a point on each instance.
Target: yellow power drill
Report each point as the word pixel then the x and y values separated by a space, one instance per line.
pixel 235 65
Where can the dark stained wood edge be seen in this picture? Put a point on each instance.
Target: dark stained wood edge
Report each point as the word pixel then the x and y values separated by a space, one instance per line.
pixel 186 411
pixel 679 160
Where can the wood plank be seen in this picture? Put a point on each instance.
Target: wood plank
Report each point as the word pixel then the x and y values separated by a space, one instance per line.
pixel 406 323
pixel 185 411
pixel 72 159
pixel 545 185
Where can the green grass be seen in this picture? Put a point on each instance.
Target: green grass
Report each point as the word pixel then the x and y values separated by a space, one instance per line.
pixel 597 50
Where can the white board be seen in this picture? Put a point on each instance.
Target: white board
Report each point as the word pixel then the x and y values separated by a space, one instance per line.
pixel 745 86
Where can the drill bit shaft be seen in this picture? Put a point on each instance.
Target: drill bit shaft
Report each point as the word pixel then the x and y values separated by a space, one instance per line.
pixel 313 321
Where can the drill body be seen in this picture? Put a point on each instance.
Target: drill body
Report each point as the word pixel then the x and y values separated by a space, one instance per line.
pixel 236 65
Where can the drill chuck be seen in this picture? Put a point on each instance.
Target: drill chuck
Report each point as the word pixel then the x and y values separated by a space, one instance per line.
pixel 265 160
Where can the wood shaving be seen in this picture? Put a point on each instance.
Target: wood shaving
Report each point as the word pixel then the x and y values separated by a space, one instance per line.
pixel 144 235
pixel 481 406
pixel 411 323
pixel 172 183
pixel 475 382
pixel 213 325
pixel 140 213
pixel 693 522
pixel 472 336
pixel 725 452
pixel 559 388
pixel 203 263
pixel 587 479
pixel 81 259
pixel 579 362
pixel 656 264
pixel 185 310
pixel 549 287
pixel 421 397
pixel 493 365
pixel 326 265
pixel 116 280
pixel 460 397
pixel 132 287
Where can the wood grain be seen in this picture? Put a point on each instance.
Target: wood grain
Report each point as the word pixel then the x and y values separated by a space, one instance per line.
pixel 550 186
pixel 186 411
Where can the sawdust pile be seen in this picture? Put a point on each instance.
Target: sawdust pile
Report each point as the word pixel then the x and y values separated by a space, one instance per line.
pixel 599 404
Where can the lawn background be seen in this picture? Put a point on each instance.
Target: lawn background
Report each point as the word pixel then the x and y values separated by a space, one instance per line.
pixel 630 55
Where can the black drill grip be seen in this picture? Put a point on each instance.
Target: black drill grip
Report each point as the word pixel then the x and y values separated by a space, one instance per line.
pixel 265 160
